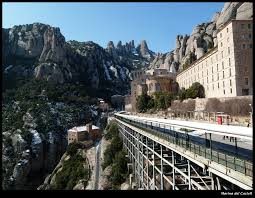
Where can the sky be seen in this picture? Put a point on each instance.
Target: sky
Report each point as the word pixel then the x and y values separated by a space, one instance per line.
pixel 157 23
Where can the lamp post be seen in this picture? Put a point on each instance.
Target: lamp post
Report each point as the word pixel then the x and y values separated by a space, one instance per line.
pixel 251 114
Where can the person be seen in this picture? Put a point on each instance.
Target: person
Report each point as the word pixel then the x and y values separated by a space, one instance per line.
pixel 248 125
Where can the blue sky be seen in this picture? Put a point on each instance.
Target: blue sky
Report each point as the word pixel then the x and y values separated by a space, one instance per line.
pixel 157 23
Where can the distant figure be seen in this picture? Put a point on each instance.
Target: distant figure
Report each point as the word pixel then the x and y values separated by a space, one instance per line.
pixel 224 137
pixel 248 125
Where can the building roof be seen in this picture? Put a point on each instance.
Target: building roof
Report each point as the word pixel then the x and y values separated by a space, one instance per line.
pixel 82 128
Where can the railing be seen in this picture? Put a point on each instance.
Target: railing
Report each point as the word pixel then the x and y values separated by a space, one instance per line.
pixel 232 162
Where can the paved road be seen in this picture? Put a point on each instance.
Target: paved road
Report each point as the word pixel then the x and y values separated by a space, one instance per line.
pixel 97 166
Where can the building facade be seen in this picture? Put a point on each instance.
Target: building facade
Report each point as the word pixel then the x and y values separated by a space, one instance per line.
pixel 227 69
pixel 149 82
pixel 84 134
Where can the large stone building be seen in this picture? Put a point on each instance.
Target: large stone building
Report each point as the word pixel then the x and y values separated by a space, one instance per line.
pixel 227 69
pixel 149 82
pixel 84 134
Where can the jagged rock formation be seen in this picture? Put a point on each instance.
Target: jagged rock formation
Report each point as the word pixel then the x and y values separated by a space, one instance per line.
pixel 31 151
pixel 40 51
pixel 202 38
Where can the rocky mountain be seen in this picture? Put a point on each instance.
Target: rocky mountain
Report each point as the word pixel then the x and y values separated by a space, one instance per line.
pixel 34 131
pixel 202 39
pixel 130 55
pixel 40 51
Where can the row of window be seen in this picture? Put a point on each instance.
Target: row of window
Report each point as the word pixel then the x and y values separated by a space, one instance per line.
pixel 246 36
pixel 247 46
pixel 198 76
pixel 246 82
pixel 243 26
pixel 212 60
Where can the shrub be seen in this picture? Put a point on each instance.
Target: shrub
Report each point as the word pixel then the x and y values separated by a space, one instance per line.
pixel 142 103
pixel 72 171
pixel 73 147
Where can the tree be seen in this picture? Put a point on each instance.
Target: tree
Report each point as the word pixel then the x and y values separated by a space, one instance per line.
pixel 196 90
pixel 142 102
pixel 119 168
pixel 182 94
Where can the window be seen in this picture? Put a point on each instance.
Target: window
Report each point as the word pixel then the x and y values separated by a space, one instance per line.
pixel 202 74
pixel 211 60
pixel 212 78
pixel 217 67
pixel 246 81
pixel 245 92
pixel 207 79
pixel 250 46
pixel 221 44
pixel 249 36
pixel 230 90
pixel 212 70
pixel 207 87
pixel 223 83
pixel 228 50
pixel 218 76
pixel 206 63
pixel 229 72
pixel 222 64
pixel 218 85
pixel 229 62
pixel 213 86
pixel 207 72
pixel 227 39
pixel 223 74
pixel 227 30
pixel 242 36
pixel 224 91
pixel 230 82
pixel 245 69
pixel 222 54
pixel 216 57
pixel 242 26
pixel 249 26
pixel 243 46
pixel 220 35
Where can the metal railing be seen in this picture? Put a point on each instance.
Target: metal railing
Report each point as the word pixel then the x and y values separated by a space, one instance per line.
pixel 229 161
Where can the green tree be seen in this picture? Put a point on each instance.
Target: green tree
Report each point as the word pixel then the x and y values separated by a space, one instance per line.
pixel 196 90
pixel 142 102
pixel 119 168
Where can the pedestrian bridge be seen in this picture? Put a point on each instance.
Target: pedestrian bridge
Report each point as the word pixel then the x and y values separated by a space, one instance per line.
pixel 171 154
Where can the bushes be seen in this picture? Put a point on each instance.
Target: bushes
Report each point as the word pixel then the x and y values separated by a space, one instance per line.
pixel 71 173
pixel 73 147
pixel 119 168
pixel 115 156
pixel 142 103
pixel 112 150
pixel 161 100
pixel 196 90
pixel 112 131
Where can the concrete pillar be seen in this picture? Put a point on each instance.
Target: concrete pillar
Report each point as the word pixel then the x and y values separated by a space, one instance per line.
pixel 153 165
pixel 147 163
pixel 173 170
pixel 189 174
pixel 161 174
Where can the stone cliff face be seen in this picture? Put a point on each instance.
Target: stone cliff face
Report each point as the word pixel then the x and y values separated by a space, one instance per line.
pixel 32 151
pixel 40 51
pixel 202 38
